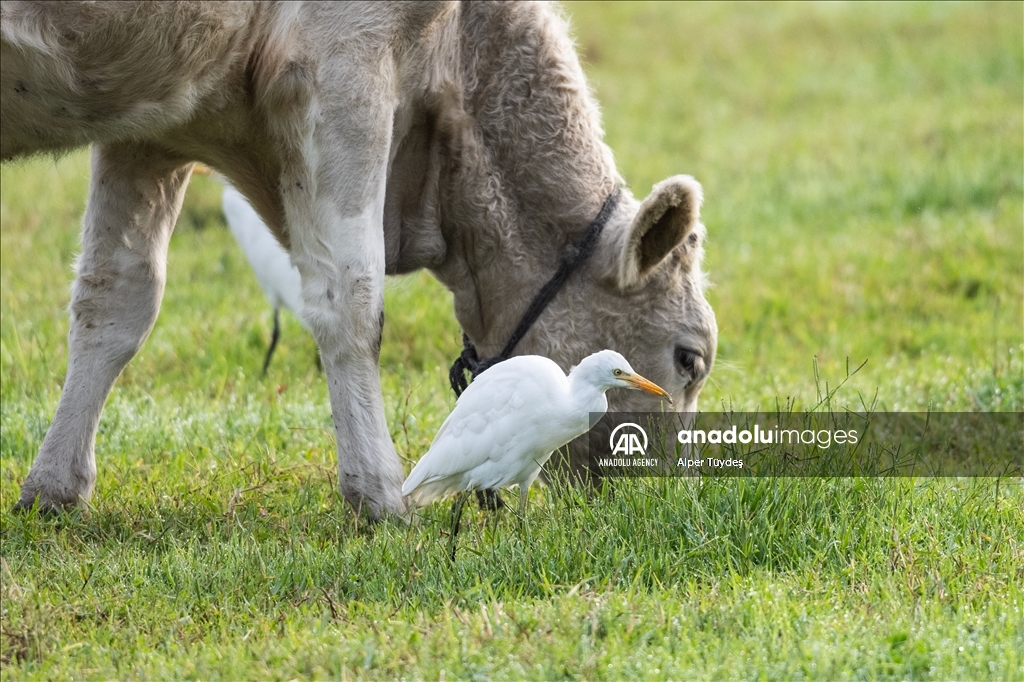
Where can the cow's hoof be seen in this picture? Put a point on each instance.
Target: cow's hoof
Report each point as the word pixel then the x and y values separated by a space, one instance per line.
pixel 45 503
pixel 376 511
pixel 32 505
pixel 22 508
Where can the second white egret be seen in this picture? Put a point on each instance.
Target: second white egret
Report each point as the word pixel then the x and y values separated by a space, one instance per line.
pixel 279 279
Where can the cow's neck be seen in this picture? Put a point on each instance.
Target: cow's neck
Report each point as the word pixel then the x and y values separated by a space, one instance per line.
pixel 531 175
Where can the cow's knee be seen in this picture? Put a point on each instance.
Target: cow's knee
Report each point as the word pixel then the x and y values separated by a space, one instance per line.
pixel 113 310
pixel 346 314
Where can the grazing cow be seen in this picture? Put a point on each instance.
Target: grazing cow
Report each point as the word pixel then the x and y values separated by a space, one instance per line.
pixel 372 138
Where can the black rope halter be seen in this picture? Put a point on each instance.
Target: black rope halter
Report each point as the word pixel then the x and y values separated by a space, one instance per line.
pixel 572 258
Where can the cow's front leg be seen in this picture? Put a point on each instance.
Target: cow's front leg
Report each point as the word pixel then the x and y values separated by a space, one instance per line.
pixel 334 204
pixel 135 195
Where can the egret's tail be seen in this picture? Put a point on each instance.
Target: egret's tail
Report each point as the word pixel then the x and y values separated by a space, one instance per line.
pixel 424 493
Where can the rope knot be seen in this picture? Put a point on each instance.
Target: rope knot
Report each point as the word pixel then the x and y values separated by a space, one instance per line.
pixel 467 361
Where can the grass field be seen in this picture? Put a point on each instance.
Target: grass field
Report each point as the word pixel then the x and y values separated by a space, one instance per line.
pixel 863 168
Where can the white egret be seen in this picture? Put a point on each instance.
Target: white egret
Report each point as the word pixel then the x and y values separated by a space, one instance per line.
pixel 279 279
pixel 510 420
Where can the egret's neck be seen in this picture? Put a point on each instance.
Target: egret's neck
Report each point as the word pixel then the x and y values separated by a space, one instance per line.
pixel 585 396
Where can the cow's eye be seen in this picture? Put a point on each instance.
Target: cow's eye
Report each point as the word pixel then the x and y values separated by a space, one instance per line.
pixel 686 359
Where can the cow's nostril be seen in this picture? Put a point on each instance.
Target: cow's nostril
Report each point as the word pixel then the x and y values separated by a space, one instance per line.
pixel 689 362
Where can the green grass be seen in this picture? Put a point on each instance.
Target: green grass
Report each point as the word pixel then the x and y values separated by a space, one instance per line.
pixel 863 169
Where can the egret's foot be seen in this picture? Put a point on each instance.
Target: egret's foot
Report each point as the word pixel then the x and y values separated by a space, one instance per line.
pixel 457 508
pixel 489 500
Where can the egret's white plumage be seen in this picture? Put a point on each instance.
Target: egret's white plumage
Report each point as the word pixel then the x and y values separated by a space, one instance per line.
pixel 508 422
pixel 279 279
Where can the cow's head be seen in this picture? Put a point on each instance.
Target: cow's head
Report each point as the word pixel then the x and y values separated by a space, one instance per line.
pixel 644 294
pixel 641 292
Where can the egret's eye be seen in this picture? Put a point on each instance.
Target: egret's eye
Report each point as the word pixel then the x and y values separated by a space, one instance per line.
pixel 617 372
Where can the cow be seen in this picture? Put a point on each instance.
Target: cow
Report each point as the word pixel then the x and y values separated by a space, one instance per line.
pixel 373 139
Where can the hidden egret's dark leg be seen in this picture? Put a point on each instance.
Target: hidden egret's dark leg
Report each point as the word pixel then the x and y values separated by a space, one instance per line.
pixel 489 499
pixel 460 503
pixel 273 340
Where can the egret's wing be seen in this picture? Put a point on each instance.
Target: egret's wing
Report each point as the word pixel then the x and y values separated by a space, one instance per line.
pixel 500 384
pixel 472 433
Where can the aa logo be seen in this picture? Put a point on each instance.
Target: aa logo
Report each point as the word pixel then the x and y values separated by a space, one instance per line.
pixel 628 439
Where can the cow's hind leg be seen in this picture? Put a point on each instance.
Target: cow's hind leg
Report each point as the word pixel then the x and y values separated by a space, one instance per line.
pixel 134 199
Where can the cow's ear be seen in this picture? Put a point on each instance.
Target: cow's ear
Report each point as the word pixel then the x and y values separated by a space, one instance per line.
pixel 666 217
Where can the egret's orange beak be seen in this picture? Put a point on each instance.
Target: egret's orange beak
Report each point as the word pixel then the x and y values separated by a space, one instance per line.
pixel 638 381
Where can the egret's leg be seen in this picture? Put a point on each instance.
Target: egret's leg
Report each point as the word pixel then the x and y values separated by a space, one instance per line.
pixel 274 336
pixel 460 503
pixel 524 492
pixel 489 499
